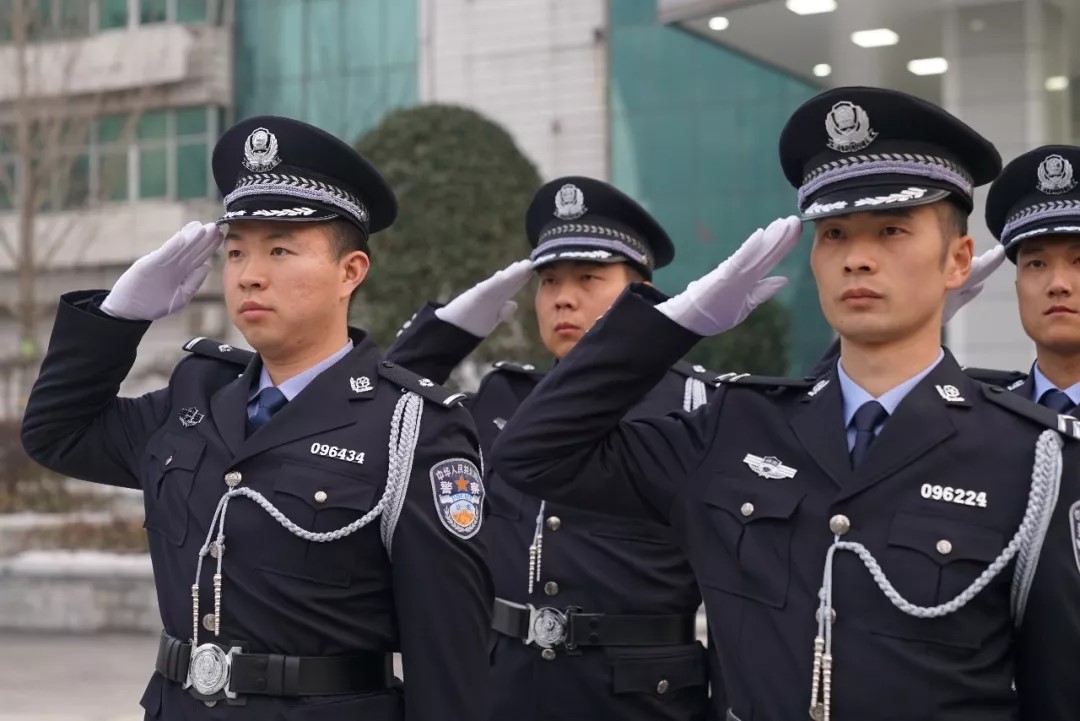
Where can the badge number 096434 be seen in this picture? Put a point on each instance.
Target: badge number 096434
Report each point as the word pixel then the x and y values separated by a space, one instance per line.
pixel 345 454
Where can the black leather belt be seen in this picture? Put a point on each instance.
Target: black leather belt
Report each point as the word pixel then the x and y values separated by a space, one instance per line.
pixel 551 627
pixel 270 674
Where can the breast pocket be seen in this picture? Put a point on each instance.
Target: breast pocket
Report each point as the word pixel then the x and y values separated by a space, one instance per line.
pixel 174 460
pixel 744 538
pixel 673 674
pixel 319 501
pixel 930 560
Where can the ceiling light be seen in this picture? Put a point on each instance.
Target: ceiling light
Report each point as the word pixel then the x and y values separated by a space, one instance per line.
pixel 822 70
pixel 928 66
pixel 811 7
pixel 718 23
pixel 875 38
pixel 1057 82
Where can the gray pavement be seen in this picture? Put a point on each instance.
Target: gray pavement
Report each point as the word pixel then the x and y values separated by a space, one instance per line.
pixel 74 678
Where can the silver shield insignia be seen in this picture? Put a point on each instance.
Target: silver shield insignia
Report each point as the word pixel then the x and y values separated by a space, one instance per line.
pixel 569 202
pixel 261 151
pixel 848 127
pixel 769 467
pixel 1055 175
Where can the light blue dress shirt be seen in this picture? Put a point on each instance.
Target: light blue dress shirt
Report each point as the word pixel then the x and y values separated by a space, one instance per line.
pixel 854 396
pixel 292 387
pixel 1043 384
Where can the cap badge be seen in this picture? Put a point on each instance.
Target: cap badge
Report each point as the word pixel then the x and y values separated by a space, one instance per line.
pixel 1055 175
pixel 261 151
pixel 569 202
pixel 848 127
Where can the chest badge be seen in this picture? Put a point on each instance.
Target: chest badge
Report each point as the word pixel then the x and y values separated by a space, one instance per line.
pixel 459 496
pixel 360 385
pixel 190 417
pixel 950 393
pixel 769 467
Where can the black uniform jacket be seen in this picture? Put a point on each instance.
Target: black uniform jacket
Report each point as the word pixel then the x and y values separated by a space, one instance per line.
pixel 596 562
pixel 754 485
pixel 323 461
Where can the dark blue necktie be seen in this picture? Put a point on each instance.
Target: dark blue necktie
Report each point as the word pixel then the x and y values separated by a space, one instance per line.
pixel 1057 400
pixel 269 401
pixel 869 416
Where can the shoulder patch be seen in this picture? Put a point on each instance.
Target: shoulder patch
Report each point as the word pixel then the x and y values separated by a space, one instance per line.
pixel 745 379
pixel 423 387
pixel 698 372
pixel 994 377
pixel 1068 426
pixel 210 348
pixel 458 489
pixel 526 368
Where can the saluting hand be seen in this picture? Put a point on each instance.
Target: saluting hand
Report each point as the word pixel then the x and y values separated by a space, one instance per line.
pixel 981 268
pixel 164 281
pixel 722 299
pixel 480 309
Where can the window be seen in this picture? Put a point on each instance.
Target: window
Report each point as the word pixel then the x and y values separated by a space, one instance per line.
pixel 160 154
pixel 191 11
pixel 153 11
pixel 112 14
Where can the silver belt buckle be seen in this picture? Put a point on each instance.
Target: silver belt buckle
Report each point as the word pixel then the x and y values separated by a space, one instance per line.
pixel 209 670
pixel 548 627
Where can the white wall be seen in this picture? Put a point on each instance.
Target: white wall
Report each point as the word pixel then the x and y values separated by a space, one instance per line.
pixel 538 67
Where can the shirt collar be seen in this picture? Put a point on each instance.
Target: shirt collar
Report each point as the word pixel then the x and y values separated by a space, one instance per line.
pixel 854 395
pixel 292 387
pixel 1043 384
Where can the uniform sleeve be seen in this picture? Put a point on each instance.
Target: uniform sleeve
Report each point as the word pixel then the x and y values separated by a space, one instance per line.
pixel 430 346
pixel 568 443
pixel 74 422
pixel 1048 643
pixel 442 588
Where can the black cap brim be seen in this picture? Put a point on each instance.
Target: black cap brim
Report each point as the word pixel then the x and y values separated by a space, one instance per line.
pixel 584 254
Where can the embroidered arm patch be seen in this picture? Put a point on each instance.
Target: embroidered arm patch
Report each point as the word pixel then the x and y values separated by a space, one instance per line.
pixel 458 489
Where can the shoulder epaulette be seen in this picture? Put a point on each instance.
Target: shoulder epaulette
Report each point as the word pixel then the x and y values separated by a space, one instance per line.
pixel 994 377
pixel 1066 425
pixel 221 351
pixel 509 367
pixel 421 386
pixel 745 379
pixel 698 372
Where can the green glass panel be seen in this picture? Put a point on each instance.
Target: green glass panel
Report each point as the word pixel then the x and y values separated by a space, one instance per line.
pixel 153 11
pixel 192 171
pixel 75 182
pixel 191 121
pixel 153 173
pixel 9 181
pixel 152 125
pixel 191 11
pixel 113 176
pixel 110 128
pixel 112 14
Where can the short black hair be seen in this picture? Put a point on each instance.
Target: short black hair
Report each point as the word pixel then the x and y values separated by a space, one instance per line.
pixel 346 238
pixel 953 219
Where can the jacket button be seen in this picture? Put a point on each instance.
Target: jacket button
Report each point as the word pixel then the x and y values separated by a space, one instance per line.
pixel 554 523
pixel 320 496
pixel 840 524
pixel 233 478
pixel 548 654
pixel 832 615
pixel 208 622
pixel 747 509
pixel 944 547
pixel 551 588
pixel 663 686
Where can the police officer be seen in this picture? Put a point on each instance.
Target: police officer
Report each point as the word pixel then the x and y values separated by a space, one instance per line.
pixel 311 508
pixel 594 615
pixel 1033 208
pixel 870 544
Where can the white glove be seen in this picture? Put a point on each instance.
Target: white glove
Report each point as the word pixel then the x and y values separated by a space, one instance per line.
pixel 163 281
pixel 723 298
pixel 480 309
pixel 981 268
